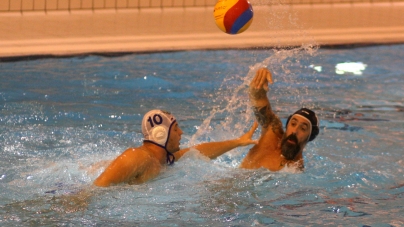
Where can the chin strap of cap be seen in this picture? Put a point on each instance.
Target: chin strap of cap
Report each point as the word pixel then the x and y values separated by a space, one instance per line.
pixel 170 158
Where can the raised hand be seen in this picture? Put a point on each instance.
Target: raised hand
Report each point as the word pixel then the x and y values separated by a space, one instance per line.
pixel 261 79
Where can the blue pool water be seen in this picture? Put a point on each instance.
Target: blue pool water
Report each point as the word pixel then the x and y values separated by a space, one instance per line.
pixel 63 119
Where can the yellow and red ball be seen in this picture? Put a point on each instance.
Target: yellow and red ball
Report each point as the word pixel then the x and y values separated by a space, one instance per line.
pixel 233 16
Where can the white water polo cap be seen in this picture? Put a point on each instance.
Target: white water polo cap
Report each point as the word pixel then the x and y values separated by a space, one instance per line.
pixel 156 125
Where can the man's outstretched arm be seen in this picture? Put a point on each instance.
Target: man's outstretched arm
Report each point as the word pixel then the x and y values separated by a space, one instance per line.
pixel 260 102
pixel 213 150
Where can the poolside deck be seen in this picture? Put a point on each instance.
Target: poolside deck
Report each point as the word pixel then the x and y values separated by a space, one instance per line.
pixel 168 29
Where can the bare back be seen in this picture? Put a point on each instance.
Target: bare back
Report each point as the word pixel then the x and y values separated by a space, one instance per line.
pixel 133 166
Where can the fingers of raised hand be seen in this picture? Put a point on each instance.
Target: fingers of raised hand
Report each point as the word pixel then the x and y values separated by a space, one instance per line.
pixel 262 78
pixel 269 77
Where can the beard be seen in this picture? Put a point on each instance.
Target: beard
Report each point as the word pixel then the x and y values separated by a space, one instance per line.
pixel 290 150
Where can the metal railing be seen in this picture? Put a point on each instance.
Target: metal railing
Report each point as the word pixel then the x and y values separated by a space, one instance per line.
pixel 72 5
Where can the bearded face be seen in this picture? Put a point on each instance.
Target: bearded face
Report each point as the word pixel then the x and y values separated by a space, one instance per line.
pixel 290 146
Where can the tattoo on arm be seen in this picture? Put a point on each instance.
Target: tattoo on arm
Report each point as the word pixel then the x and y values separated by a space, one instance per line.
pixel 266 118
pixel 264 115
pixel 261 114
pixel 256 94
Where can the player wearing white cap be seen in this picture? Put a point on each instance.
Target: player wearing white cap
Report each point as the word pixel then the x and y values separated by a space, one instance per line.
pixel 276 148
pixel 161 146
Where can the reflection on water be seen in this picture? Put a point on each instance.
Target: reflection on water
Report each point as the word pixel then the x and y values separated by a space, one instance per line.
pixel 355 68
pixel 63 119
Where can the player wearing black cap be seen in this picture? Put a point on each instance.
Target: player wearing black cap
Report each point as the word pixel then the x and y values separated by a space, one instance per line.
pixel 277 148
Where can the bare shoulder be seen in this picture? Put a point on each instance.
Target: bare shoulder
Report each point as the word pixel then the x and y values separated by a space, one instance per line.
pixel 131 158
pixel 266 154
pixel 130 164
pixel 134 152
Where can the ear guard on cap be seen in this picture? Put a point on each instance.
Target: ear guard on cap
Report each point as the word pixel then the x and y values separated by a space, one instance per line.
pixel 159 135
pixel 312 117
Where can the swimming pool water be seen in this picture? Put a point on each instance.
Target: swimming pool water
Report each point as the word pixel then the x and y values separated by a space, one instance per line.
pixel 63 119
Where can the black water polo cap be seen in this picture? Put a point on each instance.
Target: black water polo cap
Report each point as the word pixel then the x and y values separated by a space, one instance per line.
pixel 310 116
